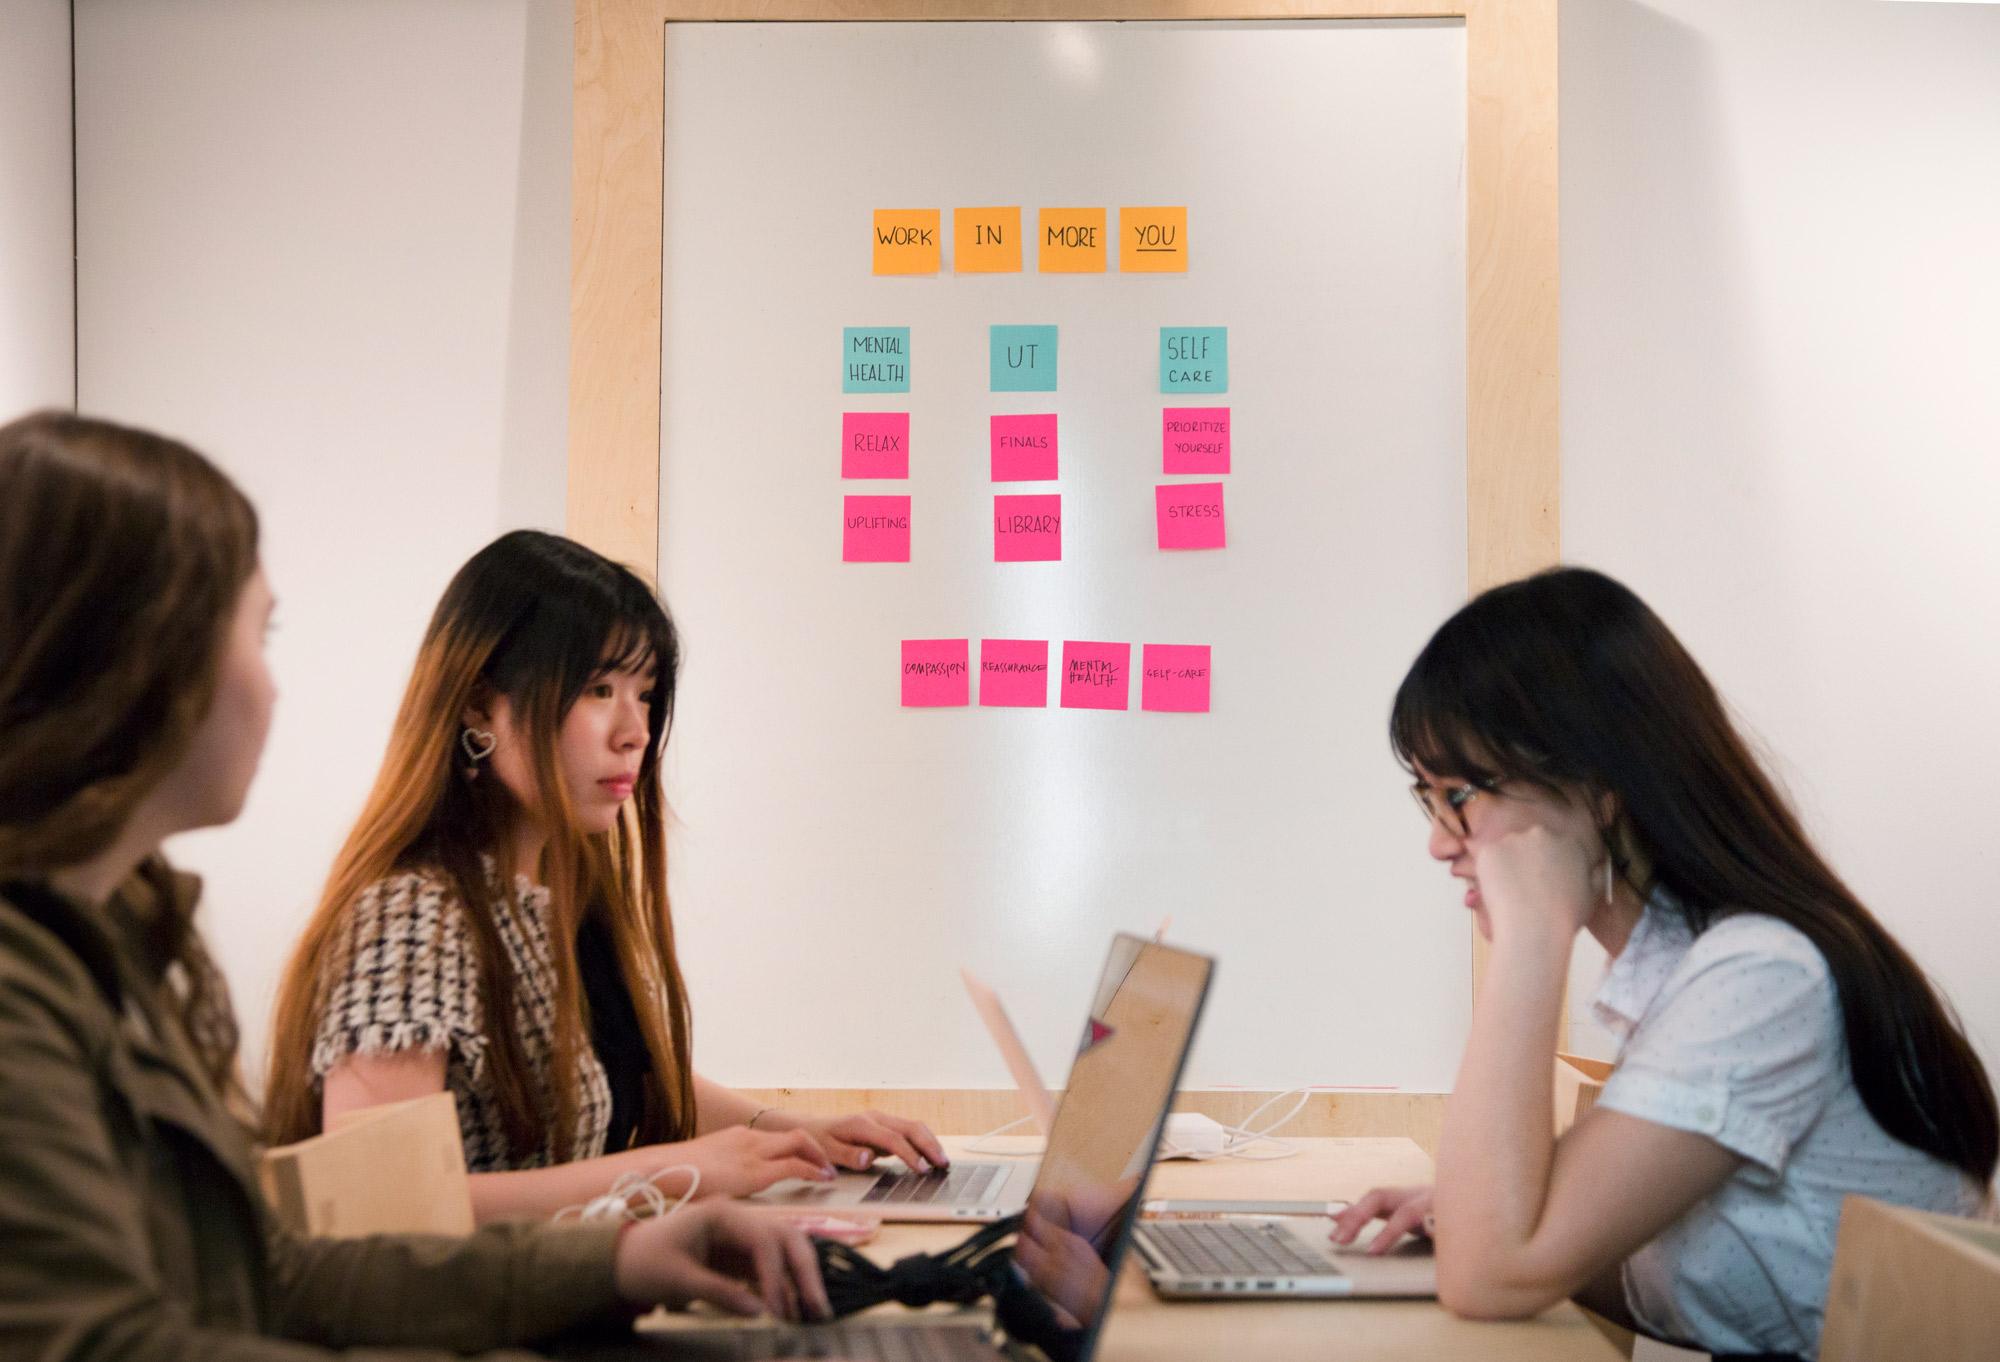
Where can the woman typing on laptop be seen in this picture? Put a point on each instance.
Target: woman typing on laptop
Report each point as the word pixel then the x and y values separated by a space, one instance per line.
pixel 1779 1050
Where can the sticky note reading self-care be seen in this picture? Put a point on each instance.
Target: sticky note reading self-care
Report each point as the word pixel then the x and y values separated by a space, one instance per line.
pixel 1014 672
pixel 1022 359
pixel 875 530
pixel 1190 515
pixel 875 444
pixel 875 359
pixel 1096 675
pixel 1152 240
pixel 1024 448
pixel 1027 529
pixel 907 240
pixel 1174 678
pixel 936 671
pixel 1194 359
pixel 986 240
pixel 1194 440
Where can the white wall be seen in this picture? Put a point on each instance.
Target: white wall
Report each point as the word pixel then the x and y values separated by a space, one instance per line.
pixel 37 336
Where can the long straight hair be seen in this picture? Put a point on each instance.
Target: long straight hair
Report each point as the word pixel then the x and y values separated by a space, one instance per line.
pixel 1567 679
pixel 536 618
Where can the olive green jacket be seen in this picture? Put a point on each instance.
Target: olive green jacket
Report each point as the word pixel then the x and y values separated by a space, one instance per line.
pixel 130 1221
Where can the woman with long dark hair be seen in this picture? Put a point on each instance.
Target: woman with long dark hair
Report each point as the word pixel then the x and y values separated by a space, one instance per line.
pixel 1779 1050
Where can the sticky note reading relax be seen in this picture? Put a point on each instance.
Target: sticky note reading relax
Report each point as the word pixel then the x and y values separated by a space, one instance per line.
pixel 986 240
pixel 1194 359
pixel 875 444
pixel 1096 675
pixel 1014 672
pixel 1152 240
pixel 936 671
pixel 1024 447
pixel 875 530
pixel 1027 529
pixel 1190 515
pixel 1071 241
pixel 1194 440
pixel 875 359
pixel 1174 678
pixel 907 240
pixel 1022 359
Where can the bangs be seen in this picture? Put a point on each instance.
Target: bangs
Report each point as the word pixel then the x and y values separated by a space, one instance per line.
pixel 635 645
pixel 1441 738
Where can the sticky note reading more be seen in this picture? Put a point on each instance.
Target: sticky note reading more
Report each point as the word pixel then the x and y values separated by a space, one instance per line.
pixel 1174 678
pixel 1190 515
pixel 875 444
pixel 1194 359
pixel 1024 447
pixel 875 359
pixel 1194 440
pixel 1096 675
pixel 1152 240
pixel 1071 241
pixel 1022 359
pixel 936 671
pixel 875 530
pixel 986 240
pixel 907 240
pixel 1027 529
pixel 1014 672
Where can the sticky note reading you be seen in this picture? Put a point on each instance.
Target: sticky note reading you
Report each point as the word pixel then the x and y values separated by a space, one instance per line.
pixel 1174 678
pixel 1194 359
pixel 1024 448
pixel 1022 359
pixel 875 444
pixel 936 671
pixel 1014 672
pixel 1096 675
pixel 1190 515
pixel 1194 440
pixel 1027 529
pixel 986 240
pixel 1152 240
pixel 875 359
pixel 1071 241
pixel 875 530
pixel 906 240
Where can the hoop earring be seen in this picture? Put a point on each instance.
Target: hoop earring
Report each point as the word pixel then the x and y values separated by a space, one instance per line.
pixel 1609 871
pixel 478 744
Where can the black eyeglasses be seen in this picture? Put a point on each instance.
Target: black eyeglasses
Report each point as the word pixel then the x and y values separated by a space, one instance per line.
pixel 1447 806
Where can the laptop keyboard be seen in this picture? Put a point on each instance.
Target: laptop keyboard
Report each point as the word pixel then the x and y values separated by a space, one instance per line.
pixel 1235 1248
pixel 864 1343
pixel 964 1183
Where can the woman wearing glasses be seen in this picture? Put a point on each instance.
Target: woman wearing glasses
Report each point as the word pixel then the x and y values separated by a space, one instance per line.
pixel 1778 1049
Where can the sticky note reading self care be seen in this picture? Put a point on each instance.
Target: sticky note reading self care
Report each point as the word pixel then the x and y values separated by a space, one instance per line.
pixel 1190 515
pixel 1022 359
pixel 1014 672
pixel 1027 529
pixel 1096 675
pixel 875 530
pixel 936 671
pixel 1174 678
pixel 907 240
pixel 875 444
pixel 1194 440
pixel 1194 359
pixel 875 359
pixel 1024 448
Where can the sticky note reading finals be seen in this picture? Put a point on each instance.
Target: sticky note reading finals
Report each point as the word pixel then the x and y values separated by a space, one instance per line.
pixel 906 240
pixel 875 530
pixel 875 444
pixel 875 359
pixel 1072 241
pixel 1014 672
pixel 1027 529
pixel 1096 675
pixel 1024 447
pixel 1190 515
pixel 986 240
pixel 936 671
pixel 1152 240
pixel 1022 359
pixel 1194 359
pixel 1194 440
pixel 1175 678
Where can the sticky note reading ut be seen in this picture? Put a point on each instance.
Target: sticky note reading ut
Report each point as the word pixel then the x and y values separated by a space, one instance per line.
pixel 1190 515
pixel 1022 359
pixel 1027 529
pixel 1014 672
pixel 1174 678
pixel 1152 240
pixel 1096 675
pixel 1194 440
pixel 875 359
pixel 1071 241
pixel 875 530
pixel 907 240
pixel 936 671
pixel 1024 447
pixel 986 240
pixel 1194 359
pixel 875 444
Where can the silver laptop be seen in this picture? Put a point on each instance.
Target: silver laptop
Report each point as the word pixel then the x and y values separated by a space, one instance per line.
pixel 1247 1257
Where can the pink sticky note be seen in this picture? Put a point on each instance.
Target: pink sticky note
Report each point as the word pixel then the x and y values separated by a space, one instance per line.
pixel 1024 448
pixel 875 530
pixel 936 671
pixel 875 444
pixel 1174 678
pixel 1027 529
pixel 1194 440
pixel 1096 675
pixel 1014 672
pixel 1190 514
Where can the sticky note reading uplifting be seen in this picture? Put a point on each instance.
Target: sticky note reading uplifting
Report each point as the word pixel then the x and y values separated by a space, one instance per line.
pixel 1194 359
pixel 875 530
pixel 1022 359
pixel 936 671
pixel 1194 440
pixel 1096 675
pixel 1152 240
pixel 875 359
pixel 986 240
pixel 1071 241
pixel 1190 515
pixel 875 444
pixel 906 240
pixel 1174 678
pixel 1027 529
pixel 1014 672
pixel 1024 447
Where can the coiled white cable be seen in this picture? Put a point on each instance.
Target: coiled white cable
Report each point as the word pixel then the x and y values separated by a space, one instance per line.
pixel 1239 1140
pixel 635 1196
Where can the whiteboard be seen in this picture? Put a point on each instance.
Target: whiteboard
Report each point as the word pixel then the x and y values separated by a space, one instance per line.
pixel 836 857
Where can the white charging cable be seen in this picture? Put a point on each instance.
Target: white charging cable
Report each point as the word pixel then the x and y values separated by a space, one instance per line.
pixel 1239 1140
pixel 635 1196
pixel 977 1144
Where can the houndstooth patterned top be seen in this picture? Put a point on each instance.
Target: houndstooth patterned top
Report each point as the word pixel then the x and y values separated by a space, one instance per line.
pixel 409 980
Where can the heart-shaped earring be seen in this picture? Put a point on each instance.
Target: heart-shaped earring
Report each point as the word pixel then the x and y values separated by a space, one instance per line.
pixel 478 744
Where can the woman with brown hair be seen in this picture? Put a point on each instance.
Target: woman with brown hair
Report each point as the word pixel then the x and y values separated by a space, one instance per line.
pixel 134 704
pixel 497 924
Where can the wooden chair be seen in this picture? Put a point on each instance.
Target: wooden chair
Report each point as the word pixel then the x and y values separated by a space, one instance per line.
pixel 1911 1284
pixel 395 1169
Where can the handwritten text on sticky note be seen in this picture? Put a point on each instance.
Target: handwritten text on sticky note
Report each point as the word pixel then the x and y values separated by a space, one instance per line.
pixel 875 359
pixel 1174 678
pixel 1190 515
pixel 1152 240
pixel 986 240
pixel 1014 672
pixel 875 530
pixel 936 671
pixel 1194 359
pixel 1096 675
pixel 1027 529
pixel 875 444
pixel 1194 440
pixel 1022 359
pixel 908 240
pixel 1071 241
pixel 1024 447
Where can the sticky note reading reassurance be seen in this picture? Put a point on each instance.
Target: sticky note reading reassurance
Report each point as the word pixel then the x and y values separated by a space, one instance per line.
pixel 875 359
pixel 1027 529
pixel 1152 240
pixel 1014 672
pixel 1024 447
pixel 875 530
pixel 1096 675
pixel 936 671
pixel 907 240
pixel 1071 241
pixel 1022 359
pixel 875 444
pixel 986 240
pixel 1194 359
pixel 1190 515
pixel 1174 678
pixel 1194 440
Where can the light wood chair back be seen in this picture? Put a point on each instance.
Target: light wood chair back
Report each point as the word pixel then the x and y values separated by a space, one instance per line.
pixel 1911 1284
pixel 395 1169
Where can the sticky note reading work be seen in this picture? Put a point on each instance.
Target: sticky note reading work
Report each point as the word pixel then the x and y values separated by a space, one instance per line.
pixel 1096 675
pixel 875 444
pixel 1014 672
pixel 1194 359
pixel 1022 359
pixel 1174 678
pixel 907 240
pixel 1152 240
pixel 1024 447
pixel 1194 440
pixel 986 240
pixel 1190 515
pixel 936 671
pixel 875 530
pixel 875 359
pixel 1027 529
pixel 1071 241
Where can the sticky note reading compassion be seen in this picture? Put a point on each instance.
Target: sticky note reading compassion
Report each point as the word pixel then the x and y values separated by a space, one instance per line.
pixel 1014 672
pixel 1096 675
pixel 1194 440
pixel 1174 678
pixel 1027 529
pixel 936 672
pixel 875 530
pixel 1190 515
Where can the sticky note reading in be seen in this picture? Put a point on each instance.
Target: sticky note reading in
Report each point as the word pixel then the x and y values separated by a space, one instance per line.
pixel 1024 448
pixel 1071 241
pixel 1194 359
pixel 1027 529
pixel 1194 440
pixel 1096 675
pixel 1022 359
pixel 1174 678
pixel 875 359
pixel 986 240
pixel 875 530
pixel 1190 515
pixel 1152 240
pixel 875 444
pixel 936 671
pixel 906 240
pixel 1014 672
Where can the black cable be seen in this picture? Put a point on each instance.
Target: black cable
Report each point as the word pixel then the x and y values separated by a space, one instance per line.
pixel 974 1269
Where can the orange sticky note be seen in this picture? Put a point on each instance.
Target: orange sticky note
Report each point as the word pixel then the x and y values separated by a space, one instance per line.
pixel 1152 240
pixel 906 240
pixel 1071 241
pixel 986 240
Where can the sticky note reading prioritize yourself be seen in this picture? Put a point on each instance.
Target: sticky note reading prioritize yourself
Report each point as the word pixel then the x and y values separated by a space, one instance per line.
pixel 1024 447
pixel 1096 675
pixel 1014 672
pixel 1071 241
pixel 936 671
pixel 907 240
pixel 986 240
pixel 875 444
pixel 1174 678
pixel 1194 440
pixel 875 530
pixel 875 359
pixel 1194 359
pixel 1152 240
pixel 1027 529
pixel 1022 359
pixel 1190 515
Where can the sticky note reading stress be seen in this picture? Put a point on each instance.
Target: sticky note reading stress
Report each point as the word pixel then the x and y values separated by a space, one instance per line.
pixel 907 240
pixel 1096 675
pixel 875 530
pixel 875 444
pixel 1194 440
pixel 1024 447
pixel 875 359
pixel 1194 359
pixel 1027 529
pixel 1152 240
pixel 1022 359
pixel 1014 672
pixel 1190 515
pixel 1071 241
pixel 936 671
pixel 1174 678
pixel 986 240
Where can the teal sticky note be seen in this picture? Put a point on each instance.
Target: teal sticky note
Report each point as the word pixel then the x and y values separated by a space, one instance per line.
pixel 1023 359
pixel 1194 359
pixel 875 359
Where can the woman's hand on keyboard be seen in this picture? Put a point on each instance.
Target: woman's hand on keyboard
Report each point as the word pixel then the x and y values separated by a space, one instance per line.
pixel 1403 1211
pixel 744 1261
pixel 741 1162
pixel 854 1141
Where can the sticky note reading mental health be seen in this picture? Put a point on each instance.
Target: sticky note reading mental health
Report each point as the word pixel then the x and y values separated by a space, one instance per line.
pixel 875 444
pixel 936 671
pixel 986 240
pixel 1194 359
pixel 1174 678
pixel 1190 515
pixel 1096 675
pixel 907 240
pixel 875 530
pixel 1014 672
pixel 1152 240
pixel 1024 447
pixel 1027 529
pixel 1194 440
pixel 1022 359
pixel 875 359
pixel 1071 241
